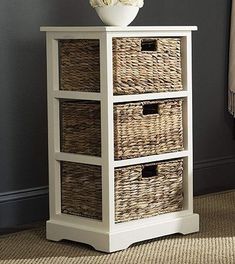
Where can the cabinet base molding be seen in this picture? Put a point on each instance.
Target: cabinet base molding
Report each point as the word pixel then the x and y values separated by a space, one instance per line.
pixel 122 239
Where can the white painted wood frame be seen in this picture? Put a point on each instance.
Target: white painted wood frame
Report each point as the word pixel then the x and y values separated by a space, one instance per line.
pixel 105 235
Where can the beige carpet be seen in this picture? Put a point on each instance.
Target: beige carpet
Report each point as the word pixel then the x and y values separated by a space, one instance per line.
pixel 214 244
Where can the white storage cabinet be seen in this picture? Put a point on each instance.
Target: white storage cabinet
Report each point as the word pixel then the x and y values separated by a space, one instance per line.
pixel 106 234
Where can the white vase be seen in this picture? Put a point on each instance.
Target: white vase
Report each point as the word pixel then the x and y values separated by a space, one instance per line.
pixel 121 15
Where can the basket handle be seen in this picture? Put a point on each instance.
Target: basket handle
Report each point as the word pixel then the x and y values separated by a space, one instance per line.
pixel 148 45
pixel 151 109
pixel 149 171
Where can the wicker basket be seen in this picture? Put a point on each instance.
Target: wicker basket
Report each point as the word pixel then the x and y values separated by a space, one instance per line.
pixel 139 65
pixel 143 65
pixel 80 127
pixel 140 190
pixel 81 190
pixel 140 129
pixel 79 65
pixel 147 190
pixel 147 128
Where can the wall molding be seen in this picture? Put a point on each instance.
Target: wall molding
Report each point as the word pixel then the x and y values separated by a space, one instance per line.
pixel 23 207
pixel 214 175
pixel 23 194
pixel 214 162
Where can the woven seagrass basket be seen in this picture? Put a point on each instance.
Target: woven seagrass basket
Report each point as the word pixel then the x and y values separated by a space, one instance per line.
pixel 81 190
pixel 140 128
pixel 139 65
pixel 143 65
pixel 79 65
pixel 140 191
pixel 147 128
pixel 147 190
pixel 80 127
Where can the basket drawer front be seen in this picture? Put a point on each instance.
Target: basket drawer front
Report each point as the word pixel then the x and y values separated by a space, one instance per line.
pixel 140 129
pixel 147 128
pixel 79 65
pixel 80 127
pixel 147 190
pixel 81 190
pixel 143 65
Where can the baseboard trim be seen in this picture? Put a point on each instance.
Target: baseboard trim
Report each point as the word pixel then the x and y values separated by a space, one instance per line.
pixel 205 171
pixel 22 207
pixel 23 194
pixel 214 162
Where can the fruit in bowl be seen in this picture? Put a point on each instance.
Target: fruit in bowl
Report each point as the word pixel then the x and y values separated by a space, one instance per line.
pixel 117 12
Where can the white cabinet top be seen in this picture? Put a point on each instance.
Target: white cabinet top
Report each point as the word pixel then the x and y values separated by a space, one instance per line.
pixel 119 29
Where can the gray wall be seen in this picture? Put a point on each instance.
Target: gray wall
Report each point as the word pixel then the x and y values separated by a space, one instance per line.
pixel 23 133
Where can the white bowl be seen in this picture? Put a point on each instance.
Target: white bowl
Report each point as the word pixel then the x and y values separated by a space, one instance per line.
pixel 121 15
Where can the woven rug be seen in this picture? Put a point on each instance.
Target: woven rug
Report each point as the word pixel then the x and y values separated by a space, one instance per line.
pixel 215 243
